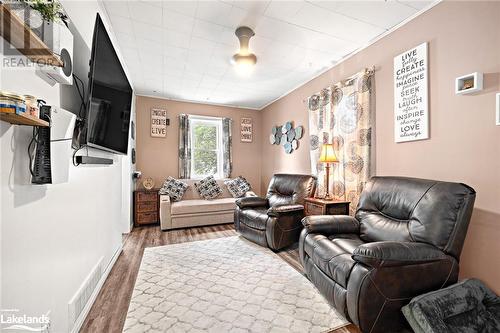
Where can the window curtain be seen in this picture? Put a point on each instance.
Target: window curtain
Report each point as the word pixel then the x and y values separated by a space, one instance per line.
pixel 184 147
pixel 343 115
pixel 227 143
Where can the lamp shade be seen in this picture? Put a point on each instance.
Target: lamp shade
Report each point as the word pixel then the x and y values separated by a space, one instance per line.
pixel 328 154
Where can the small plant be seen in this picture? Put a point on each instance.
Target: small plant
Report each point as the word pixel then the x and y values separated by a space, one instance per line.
pixel 50 10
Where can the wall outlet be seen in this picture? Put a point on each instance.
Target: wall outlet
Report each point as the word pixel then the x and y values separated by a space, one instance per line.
pixel 498 109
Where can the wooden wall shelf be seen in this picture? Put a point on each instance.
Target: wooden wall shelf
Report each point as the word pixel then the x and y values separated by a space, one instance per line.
pixel 9 115
pixel 20 36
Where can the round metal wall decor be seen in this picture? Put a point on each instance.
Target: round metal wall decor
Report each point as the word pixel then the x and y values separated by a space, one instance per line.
pixel 287 136
pixel 299 131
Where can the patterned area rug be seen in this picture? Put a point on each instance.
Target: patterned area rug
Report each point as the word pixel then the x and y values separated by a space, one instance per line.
pixel 224 285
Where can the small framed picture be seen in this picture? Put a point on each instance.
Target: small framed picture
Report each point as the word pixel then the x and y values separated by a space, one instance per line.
pixel 246 130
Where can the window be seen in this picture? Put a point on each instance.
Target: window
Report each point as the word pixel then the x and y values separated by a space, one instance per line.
pixel 207 147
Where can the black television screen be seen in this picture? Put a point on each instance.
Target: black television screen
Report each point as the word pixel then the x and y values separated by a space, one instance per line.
pixel 110 98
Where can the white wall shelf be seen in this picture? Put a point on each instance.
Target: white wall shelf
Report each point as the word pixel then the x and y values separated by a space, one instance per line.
pixel 469 83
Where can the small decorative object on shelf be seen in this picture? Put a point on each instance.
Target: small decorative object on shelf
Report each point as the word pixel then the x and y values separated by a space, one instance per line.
pixel 32 106
pixel 10 100
pixel 148 183
pixel 17 33
pixel 286 136
pixel 13 110
pixel 316 206
pixel 469 83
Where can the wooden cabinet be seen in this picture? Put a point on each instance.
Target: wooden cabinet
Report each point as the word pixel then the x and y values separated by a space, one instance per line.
pixel 146 205
pixel 315 206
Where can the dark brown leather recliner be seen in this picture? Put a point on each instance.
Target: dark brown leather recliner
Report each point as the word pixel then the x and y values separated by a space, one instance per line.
pixel 404 240
pixel 275 221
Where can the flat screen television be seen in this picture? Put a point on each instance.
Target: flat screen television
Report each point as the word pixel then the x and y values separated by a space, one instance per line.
pixel 110 98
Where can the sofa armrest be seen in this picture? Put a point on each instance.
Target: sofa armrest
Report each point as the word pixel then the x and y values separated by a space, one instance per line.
pixel 386 254
pixel 165 212
pixel 251 202
pixel 285 209
pixel 331 224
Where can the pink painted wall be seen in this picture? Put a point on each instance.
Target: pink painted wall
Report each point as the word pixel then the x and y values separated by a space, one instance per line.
pixel 158 157
pixel 464 146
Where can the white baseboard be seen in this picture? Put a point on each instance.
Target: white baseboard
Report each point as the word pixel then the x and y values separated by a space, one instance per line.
pixel 79 322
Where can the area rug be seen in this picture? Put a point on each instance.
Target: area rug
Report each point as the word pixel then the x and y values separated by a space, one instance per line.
pixel 224 285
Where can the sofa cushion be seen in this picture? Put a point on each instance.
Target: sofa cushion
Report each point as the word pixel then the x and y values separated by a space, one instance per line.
pixel 333 255
pixel 174 188
pixel 202 206
pixel 191 192
pixel 237 186
pixel 208 188
pixel 255 218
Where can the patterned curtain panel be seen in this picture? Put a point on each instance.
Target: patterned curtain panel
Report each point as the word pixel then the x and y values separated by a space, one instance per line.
pixel 184 147
pixel 227 141
pixel 343 115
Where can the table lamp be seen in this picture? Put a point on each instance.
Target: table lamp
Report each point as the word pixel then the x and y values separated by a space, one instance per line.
pixel 328 156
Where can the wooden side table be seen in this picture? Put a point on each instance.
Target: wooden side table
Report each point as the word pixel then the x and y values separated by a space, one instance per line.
pixel 316 206
pixel 146 205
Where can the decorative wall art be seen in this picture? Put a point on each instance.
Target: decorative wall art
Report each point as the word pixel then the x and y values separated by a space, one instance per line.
pixel 287 136
pixel 159 123
pixel 411 114
pixel 246 128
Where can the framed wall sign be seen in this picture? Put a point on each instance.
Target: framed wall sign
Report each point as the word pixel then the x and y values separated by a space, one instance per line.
pixel 159 123
pixel 411 103
pixel 246 127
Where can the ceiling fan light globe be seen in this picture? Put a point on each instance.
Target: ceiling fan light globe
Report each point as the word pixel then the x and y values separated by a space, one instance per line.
pixel 239 58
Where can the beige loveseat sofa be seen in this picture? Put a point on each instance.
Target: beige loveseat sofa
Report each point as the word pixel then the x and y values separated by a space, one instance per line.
pixel 194 211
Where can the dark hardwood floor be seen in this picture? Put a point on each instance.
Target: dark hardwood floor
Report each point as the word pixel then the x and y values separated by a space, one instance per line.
pixel 110 308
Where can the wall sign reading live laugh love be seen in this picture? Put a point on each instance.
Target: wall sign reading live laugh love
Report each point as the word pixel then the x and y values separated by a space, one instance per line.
pixel 159 123
pixel 411 114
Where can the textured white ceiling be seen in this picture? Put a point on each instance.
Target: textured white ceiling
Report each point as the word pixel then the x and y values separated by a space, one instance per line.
pixel 182 49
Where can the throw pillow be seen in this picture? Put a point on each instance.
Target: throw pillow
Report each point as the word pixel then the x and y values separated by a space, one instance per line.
pixel 237 186
pixel 174 188
pixel 208 188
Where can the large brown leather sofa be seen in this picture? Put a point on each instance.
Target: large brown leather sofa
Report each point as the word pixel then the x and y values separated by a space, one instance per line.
pixel 275 221
pixel 405 240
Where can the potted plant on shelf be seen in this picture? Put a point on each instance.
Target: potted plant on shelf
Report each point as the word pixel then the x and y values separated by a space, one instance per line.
pixel 40 16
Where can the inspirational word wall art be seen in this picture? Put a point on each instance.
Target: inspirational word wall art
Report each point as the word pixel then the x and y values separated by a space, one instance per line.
pixel 411 103
pixel 246 128
pixel 159 123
